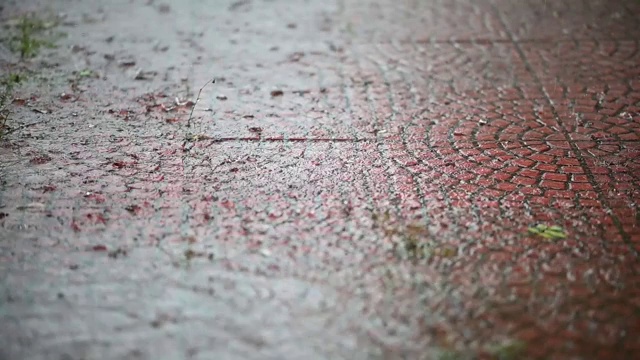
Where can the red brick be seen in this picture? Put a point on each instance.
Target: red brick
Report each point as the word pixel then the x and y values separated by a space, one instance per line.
pixel 503 176
pixel 563 203
pixel 529 173
pixel 580 186
pixel 530 190
pixel 572 170
pixel 540 200
pixel 600 170
pixel 542 158
pixel 488 145
pixel 483 171
pixel 558 152
pixel 547 167
pixel 549 184
pixel 521 180
pixel 579 178
pixel 561 194
pixel 506 186
pixel 554 176
pixel 568 161
pixel 511 169
pixel 524 162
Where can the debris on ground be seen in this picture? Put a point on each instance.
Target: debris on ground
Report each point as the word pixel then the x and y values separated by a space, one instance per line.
pixel 553 232
pixel 145 75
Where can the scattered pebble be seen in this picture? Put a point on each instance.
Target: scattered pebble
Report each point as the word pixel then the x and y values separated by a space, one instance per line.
pixel 127 63
pixel 265 252
pixel 144 75
pixel 99 248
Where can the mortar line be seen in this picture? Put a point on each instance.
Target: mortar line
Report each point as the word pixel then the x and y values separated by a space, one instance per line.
pixel 490 41
pixel 373 140
pixel 578 153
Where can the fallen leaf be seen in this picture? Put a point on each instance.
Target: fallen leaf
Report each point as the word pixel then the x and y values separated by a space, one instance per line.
pixel 164 8
pixel 19 101
pixel 553 232
pixel 190 254
pixel 296 56
pixel 39 160
pixel 118 252
pixel 510 349
pixel 127 63
pixel 99 248
pixel 445 251
pixel 32 206
pixel 134 209
pixel 65 96
pixel 85 73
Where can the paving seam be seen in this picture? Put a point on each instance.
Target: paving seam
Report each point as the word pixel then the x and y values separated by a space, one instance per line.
pixel 393 108
pixel 380 140
pixel 433 148
pixel 625 237
pixel 490 41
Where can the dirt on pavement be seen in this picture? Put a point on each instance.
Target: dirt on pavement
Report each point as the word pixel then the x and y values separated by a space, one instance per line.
pixel 274 179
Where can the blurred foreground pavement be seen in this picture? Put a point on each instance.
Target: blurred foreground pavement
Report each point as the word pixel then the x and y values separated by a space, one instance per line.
pixel 357 184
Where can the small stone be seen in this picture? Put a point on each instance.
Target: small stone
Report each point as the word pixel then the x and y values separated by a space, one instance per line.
pixel 221 97
pixel 265 252
pixel 127 63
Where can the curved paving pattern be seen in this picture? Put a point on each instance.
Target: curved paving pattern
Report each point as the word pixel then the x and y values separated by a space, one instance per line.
pixel 357 184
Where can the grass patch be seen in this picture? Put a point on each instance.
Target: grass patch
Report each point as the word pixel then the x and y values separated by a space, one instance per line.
pixel 27 35
pixel 508 350
pixel 450 355
pixel 412 241
pixel 24 36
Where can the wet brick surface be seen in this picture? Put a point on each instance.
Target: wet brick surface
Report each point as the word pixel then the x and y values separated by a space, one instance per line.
pixel 357 184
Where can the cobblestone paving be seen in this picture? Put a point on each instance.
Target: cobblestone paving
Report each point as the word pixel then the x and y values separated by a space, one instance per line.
pixel 356 184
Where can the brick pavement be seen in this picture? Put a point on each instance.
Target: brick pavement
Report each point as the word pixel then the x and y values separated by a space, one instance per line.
pixel 357 184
